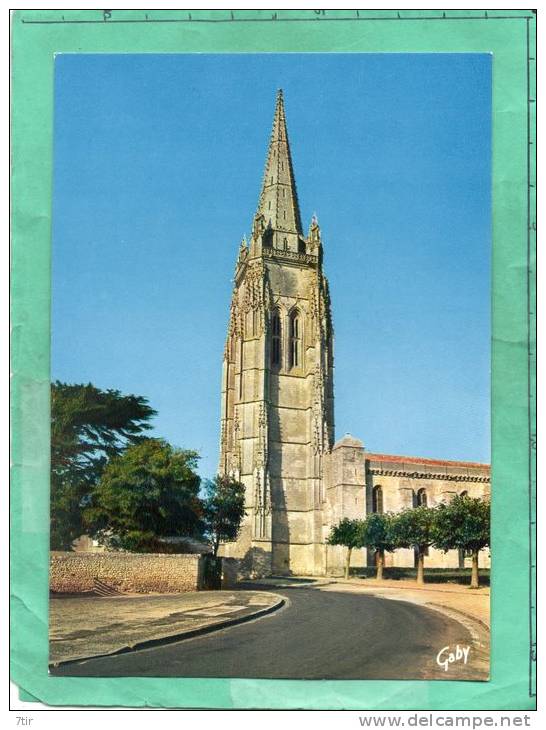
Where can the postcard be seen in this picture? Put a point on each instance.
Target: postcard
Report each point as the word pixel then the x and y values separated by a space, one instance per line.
pixel 272 405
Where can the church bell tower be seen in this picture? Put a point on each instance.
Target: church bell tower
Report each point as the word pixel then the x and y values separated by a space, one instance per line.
pixel 277 420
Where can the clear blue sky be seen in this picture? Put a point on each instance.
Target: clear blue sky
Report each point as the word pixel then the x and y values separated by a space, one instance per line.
pixel 158 165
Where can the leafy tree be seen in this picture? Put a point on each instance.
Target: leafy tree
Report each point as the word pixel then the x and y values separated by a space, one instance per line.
pixel 88 426
pixel 65 512
pixel 347 533
pixel 413 528
pixel 149 491
pixel 463 524
pixel 224 509
pixel 377 536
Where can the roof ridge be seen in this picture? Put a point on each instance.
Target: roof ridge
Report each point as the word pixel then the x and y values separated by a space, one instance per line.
pixel 424 460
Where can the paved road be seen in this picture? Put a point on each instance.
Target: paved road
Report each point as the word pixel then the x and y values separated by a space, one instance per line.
pixel 318 635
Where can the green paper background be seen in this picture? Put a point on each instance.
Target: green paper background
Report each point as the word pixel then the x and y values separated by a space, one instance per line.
pixel 510 36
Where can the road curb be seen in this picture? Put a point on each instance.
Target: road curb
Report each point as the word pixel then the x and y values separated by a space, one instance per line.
pixel 426 587
pixel 468 616
pixel 181 635
pixel 478 629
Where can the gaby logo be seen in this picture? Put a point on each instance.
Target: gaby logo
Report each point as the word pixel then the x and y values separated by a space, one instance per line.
pixel 445 656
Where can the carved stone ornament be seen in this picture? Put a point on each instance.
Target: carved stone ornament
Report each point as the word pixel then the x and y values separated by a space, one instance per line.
pixel 313 237
pixel 267 496
pixel 253 291
pixel 258 226
pixel 257 491
pixel 261 450
pixel 243 250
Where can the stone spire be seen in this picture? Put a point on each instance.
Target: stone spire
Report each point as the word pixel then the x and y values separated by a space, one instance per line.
pixel 279 200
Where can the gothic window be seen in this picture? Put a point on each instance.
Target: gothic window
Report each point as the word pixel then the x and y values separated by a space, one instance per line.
pixel 276 338
pixel 422 498
pixel 377 500
pixel 267 238
pixel 464 494
pixel 295 340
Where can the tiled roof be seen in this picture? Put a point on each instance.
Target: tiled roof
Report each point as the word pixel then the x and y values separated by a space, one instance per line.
pixel 419 460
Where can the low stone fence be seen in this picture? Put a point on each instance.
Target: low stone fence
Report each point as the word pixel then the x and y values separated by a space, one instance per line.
pixel 125 572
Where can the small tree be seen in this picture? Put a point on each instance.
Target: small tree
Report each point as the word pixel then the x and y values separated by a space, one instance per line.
pixel 412 528
pixel 463 524
pixel 377 536
pixel 347 533
pixel 149 491
pixel 224 509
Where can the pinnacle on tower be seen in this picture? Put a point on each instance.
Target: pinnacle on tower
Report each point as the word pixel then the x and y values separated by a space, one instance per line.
pixel 279 200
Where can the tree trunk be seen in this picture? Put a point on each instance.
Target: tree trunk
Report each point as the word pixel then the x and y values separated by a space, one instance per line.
pixel 475 579
pixel 379 563
pixel 420 566
pixel 348 562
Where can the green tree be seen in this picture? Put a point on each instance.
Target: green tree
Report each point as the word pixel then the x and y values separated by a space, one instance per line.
pixel 147 492
pixel 66 499
pixel 88 426
pixel 377 536
pixel 224 509
pixel 463 524
pixel 413 528
pixel 347 533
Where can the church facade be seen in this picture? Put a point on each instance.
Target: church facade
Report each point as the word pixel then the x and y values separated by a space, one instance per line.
pixel 277 410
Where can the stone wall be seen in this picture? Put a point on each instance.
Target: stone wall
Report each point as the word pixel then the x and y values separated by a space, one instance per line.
pixel 351 475
pixel 125 572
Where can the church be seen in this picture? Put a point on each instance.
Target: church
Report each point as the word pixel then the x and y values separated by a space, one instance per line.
pixel 277 409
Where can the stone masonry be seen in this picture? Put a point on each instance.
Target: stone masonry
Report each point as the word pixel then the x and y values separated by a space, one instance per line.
pixel 359 482
pixel 277 411
pixel 125 572
pixel 277 387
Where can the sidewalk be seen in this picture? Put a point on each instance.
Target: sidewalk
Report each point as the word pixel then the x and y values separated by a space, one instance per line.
pixel 80 628
pixel 473 603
